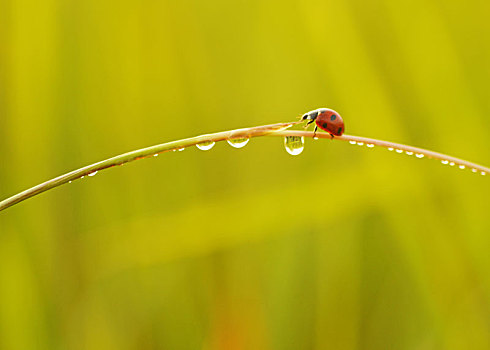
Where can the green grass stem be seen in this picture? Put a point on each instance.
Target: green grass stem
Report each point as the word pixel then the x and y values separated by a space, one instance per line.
pixel 256 131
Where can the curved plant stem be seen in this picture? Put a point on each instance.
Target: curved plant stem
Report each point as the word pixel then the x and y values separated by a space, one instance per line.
pixel 139 154
pixel 392 146
pixel 272 130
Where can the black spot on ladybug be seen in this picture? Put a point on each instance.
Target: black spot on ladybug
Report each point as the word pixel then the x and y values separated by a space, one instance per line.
pixel 333 117
pixel 325 125
pixel 339 131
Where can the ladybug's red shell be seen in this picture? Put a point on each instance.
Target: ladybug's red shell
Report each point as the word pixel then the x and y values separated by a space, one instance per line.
pixel 330 121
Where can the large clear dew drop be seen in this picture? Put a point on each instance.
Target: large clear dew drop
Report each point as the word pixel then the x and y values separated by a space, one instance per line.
pixel 294 144
pixel 205 146
pixel 238 143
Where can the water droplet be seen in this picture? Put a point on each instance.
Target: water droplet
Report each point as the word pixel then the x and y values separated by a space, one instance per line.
pixel 315 138
pixel 474 170
pixel 444 161
pixel 69 182
pixel 360 143
pixel 294 144
pixel 204 146
pixel 156 154
pixel 399 151
pixel 82 177
pixel 452 164
pixel 180 149
pixel 483 173
pixel 370 145
pixel 409 153
pixel 352 142
pixel 419 155
pixel 461 166
pixel 238 143
pixel 93 173
pixel 390 148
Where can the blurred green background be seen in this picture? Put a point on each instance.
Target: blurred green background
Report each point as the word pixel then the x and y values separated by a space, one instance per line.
pixel 341 247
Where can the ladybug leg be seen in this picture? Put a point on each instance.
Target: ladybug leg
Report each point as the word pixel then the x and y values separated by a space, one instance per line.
pixel 314 131
pixel 309 122
pixel 331 136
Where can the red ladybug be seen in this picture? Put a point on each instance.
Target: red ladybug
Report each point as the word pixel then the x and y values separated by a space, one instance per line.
pixel 325 119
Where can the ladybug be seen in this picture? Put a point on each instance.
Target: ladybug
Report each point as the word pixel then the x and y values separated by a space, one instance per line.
pixel 325 119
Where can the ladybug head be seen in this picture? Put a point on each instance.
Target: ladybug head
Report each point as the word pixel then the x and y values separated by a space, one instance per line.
pixel 312 115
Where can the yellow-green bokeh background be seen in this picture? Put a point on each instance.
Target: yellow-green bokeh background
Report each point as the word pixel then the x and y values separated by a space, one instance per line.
pixel 342 247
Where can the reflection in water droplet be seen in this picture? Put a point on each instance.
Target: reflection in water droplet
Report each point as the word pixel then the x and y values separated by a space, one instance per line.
pixel 204 146
pixel 461 166
pixel 360 143
pixel 419 155
pixel 181 149
pixel 452 164
pixel 370 145
pixel 483 173
pixel 156 154
pixel 93 173
pixel 294 144
pixel 315 138
pixel 69 182
pixel 352 142
pixel 409 153
pixel 238 143
pixel 444 161
pixel 390 148
pixel 474 170
pixel 399 151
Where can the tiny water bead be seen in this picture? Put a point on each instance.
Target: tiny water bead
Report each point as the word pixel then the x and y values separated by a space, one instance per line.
pixel 462 167
pixel 238 143
pixel 205 146
pixel 443 161
pixel 93 173
pixel 360 143
pixel 156 154
pixel 352 142
pixel 180 149
pixel 294 144
pixel 370 145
